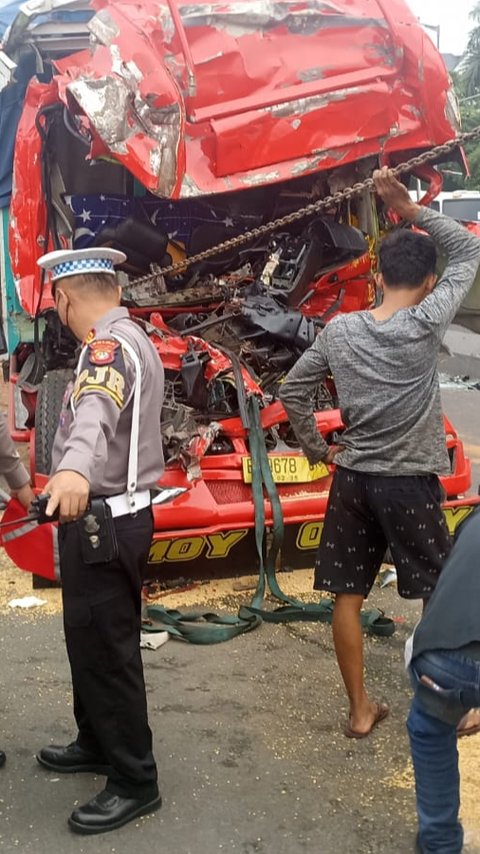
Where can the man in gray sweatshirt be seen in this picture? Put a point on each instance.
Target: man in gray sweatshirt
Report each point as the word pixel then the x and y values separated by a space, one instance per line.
pixel 385 491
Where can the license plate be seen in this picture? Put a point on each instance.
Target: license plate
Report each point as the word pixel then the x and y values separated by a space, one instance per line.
pixel 287 469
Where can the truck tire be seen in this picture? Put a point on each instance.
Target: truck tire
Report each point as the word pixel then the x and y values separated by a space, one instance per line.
pixel 47 415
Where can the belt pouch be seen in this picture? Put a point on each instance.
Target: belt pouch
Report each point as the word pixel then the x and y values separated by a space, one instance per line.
pixel 98 539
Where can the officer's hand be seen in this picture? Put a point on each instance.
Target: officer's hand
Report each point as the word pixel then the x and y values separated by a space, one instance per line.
pixel 69 491
pixel 332 452
pixel 25 495
pixel 395 194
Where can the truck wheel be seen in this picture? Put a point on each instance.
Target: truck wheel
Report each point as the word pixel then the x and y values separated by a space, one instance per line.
pixel 47 415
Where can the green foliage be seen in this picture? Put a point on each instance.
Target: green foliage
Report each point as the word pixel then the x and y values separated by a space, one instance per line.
pixel 467 86
pixel 471 60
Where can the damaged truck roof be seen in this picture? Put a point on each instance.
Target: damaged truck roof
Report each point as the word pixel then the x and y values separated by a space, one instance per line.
pixel 200 98
pixel 210 99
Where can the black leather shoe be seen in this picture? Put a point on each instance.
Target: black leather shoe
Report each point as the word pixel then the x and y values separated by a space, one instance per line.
pixel 71 760
pixel 2 758
pixel 107 812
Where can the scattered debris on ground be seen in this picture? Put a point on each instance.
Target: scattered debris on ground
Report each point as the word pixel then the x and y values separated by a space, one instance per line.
pixel 465 382
pixel 27 602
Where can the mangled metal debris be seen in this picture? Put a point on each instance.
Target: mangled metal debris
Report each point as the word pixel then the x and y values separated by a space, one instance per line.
pixel 165 128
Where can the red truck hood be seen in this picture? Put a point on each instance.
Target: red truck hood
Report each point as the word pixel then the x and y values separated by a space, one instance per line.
pixel 208 97
pixel 204 98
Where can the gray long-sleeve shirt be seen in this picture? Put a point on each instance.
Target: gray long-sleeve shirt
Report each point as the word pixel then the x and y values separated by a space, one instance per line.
pixel 11 466
pixel 385 372
pixel 93 437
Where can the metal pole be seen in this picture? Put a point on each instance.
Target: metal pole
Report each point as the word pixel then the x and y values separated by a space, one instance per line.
pixel 435 27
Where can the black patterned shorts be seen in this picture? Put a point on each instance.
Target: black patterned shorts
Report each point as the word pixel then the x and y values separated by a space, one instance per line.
pixel 368 513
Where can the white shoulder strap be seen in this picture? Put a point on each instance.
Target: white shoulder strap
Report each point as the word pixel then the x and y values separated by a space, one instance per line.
pixel 133 450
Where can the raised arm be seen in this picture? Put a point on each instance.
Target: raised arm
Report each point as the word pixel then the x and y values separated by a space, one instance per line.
pixel 463 251
pixel 461 247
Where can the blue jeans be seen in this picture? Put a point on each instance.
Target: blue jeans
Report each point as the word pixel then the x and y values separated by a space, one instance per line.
pixel 434 715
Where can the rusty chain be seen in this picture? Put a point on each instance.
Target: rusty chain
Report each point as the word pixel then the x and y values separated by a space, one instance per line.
pixel 310 209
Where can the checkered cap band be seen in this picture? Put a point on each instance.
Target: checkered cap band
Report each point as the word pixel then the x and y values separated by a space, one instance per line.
pixel 83 265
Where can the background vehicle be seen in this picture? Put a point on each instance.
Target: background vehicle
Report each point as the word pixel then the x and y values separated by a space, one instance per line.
pixel 463 205
pixel 171 130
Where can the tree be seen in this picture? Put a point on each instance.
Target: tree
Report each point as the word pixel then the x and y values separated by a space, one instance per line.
pixel 470 116
pixel 470 67
pixel 467 85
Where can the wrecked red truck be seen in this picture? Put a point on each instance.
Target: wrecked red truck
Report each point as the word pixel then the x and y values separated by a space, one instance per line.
pixel 166 128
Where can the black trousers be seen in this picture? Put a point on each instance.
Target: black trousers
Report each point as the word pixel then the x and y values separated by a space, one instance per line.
pixel 102 616
pixel 367 513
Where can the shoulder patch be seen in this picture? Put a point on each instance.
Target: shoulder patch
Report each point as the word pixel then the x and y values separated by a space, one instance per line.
pixel 102 351
pixel 103 373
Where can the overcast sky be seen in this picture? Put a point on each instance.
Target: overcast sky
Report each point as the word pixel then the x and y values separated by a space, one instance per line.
pixel 451 15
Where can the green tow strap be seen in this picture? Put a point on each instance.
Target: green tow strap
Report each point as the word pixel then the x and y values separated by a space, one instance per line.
pixel 207 628
pixel 292 609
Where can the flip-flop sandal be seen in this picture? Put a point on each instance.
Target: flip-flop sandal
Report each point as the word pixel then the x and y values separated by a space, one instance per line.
pixel 382 713
pixel 375 622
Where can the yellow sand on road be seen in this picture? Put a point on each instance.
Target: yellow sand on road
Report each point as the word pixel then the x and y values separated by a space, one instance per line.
pixel 16 584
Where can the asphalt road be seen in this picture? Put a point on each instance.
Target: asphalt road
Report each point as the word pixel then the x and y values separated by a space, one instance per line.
pixel 248 737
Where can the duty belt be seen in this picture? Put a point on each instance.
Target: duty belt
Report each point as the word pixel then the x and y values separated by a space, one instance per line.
pixel 121 505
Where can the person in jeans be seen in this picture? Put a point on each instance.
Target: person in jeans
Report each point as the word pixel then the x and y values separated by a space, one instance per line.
pixel 444 662
pixel 385 490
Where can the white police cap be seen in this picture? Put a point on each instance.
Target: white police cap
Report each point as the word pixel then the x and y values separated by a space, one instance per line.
pixel 73 262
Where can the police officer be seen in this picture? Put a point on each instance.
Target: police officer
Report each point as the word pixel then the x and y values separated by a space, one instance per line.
pixel 17 478
pixel 107 455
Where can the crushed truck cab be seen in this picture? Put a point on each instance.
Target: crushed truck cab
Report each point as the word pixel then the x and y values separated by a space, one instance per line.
pixel 163 129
